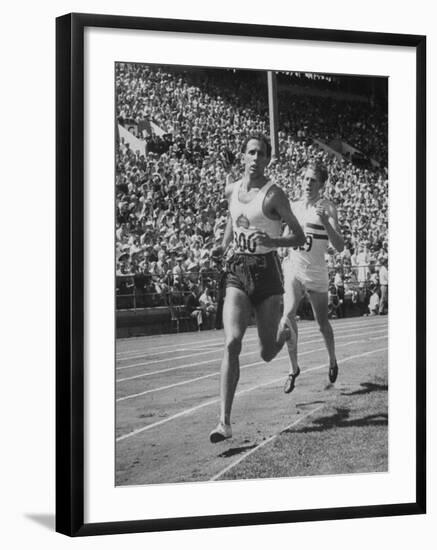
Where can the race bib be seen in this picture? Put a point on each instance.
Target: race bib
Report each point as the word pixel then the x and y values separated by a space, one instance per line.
pixel 244 240
pixel 307 246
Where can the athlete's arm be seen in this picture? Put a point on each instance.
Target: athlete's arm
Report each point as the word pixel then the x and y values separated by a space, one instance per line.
pixel 278 207
pixel 228 234
pixel 283 251
pixel 328 216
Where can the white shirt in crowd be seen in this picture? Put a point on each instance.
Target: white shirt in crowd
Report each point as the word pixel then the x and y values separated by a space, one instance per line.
pixel 205 300
pixel 374 302
pixel 383 275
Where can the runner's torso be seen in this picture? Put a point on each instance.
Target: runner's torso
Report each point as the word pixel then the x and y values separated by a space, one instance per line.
pixel 248 219
pixel 311 255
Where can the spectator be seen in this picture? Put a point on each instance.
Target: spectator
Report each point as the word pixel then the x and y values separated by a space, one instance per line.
pixel 170 200
pixel 340 289
pixel 333 303
pixel 361 260
pixel 363 299
pixel 193 305
pixel 374 301
pixel 383 281
pixel 208 306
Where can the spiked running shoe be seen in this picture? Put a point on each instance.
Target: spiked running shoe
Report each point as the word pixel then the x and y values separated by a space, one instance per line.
pixel 333 373
pixel 291 380
pixel 222 432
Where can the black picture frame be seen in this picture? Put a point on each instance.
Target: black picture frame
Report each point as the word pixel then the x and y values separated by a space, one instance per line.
pixel 70 273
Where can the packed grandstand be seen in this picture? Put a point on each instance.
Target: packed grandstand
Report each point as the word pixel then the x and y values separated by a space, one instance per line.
pixel 179 134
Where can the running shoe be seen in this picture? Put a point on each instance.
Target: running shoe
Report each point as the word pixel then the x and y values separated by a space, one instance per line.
pixel 333 373
pixel 290 382
pixel 222 432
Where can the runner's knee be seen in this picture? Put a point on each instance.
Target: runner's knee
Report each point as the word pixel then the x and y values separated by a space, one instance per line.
pixel 233 346
pixel 268 353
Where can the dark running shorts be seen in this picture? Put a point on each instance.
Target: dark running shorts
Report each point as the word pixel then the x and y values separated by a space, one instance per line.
pixel 258 275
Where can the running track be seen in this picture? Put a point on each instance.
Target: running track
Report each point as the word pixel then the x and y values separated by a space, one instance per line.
pixel 167 390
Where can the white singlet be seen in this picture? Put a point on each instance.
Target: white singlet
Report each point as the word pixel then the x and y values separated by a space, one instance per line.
pixel 248 219
pixel 307 263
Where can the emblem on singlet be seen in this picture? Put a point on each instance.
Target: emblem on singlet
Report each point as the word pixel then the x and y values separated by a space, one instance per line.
pixel 242 221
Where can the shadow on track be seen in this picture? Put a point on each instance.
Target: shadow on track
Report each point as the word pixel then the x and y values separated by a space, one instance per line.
pixel 368 387
pixel 236 451
pixel 339 420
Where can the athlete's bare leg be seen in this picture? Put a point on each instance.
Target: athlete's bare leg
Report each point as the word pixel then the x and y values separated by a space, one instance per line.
pixel 236 315
pixel 292 298
pixel 319 303
pixel 271 335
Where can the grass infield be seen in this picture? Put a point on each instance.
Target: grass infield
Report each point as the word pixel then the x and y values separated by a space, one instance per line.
pixel 348 435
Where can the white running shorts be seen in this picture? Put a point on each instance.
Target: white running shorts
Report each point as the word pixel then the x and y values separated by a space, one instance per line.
pixel 312 279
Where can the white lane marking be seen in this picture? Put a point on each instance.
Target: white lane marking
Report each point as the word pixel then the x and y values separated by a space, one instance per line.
pixel 183 347
pixel 220 349
pixel 214 401
pixel 198 348
pixel 166 359
pixel 211 375
pixel 185 366
pixel 313 328
pixel 269 440
pixel 165 348
pixel 219 337
pixel 171 369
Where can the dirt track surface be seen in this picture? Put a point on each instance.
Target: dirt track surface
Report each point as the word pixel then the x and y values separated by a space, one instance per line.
pixel 167 391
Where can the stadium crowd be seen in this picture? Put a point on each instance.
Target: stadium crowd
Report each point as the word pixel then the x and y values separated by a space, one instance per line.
pixel 170 206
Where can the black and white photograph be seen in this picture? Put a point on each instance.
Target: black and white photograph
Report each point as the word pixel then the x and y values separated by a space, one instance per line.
pixel 223 212
pixel 251 271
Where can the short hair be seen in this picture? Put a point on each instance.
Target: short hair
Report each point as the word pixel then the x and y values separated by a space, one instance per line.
pixel 320 170
pixel 258 137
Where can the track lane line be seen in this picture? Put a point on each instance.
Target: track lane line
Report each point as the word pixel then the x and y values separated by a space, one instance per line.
pixel 166 359
pixel 269 440
pixel 217 373
pixel 217 400
pixel 249 341
pixel 219 338
pixel 247 353
pixel 277 434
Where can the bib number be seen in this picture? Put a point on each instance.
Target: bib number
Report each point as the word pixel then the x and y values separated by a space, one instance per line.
pixel 307 246
pixel 245 243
